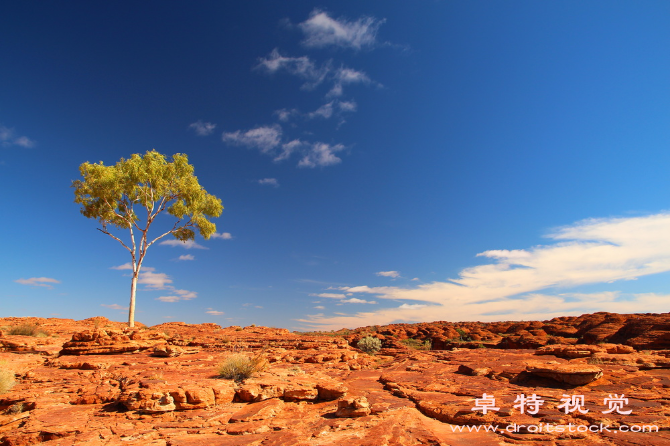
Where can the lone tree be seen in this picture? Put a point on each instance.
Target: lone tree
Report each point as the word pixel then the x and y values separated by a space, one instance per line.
pixel 110 194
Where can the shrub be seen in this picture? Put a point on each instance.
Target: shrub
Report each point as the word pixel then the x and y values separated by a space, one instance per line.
pixel 417 344
pixel 463 335
pixel 28 330
pixel 7 379
pixel 370 345
pixel 239 367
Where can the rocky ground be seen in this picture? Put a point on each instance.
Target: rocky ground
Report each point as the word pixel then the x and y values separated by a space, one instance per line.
pixel 595 379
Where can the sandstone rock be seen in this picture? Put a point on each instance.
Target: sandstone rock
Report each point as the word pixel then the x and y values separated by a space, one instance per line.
pixel 149 401
pixel 258 411
pixel 331 391
pixel 98 342
pixel 352 407
pixel 167 351
pixel 572 374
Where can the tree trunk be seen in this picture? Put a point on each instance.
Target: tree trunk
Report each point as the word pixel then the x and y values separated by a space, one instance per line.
pixel 131 309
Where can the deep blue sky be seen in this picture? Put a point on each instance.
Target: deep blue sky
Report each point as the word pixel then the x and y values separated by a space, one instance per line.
pixel 377 162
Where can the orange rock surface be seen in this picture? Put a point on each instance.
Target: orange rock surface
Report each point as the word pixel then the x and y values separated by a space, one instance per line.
pixel 593 379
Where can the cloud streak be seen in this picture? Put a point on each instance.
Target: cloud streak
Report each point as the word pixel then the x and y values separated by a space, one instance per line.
pixel 202 128
pixel 510 287
pixel 8 138
pixel 38 281
pixel 321 30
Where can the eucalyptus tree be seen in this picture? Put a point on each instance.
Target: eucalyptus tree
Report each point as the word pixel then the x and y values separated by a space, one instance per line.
pixel 112 194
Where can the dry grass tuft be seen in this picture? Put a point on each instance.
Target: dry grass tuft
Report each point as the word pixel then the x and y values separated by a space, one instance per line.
pixel 28 330
pixel 239 367
pixel 7 379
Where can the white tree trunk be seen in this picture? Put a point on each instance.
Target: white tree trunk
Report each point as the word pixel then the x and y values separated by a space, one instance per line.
pixel 131 309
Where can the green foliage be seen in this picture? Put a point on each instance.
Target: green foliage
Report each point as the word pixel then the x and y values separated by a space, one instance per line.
pixel 7 380
pixel 463 335
pixel 109 193
pixel 239 367
pixel 28 330
pixel 112 195
pixel 417 344
pixel 370 345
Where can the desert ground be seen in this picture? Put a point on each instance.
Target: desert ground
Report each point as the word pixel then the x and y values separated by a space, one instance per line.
pixel 598 379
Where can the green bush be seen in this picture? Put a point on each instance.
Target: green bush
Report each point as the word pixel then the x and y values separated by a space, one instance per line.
pixel 239 367
pixel 463 335
pixel 28 330
pixel 370 345
pixel 7 379
pixel 417 344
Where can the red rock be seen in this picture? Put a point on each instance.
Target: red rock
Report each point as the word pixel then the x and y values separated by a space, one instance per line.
pixel 352 407
pixel 572 374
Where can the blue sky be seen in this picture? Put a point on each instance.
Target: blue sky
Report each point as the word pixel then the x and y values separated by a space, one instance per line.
pixel 378 161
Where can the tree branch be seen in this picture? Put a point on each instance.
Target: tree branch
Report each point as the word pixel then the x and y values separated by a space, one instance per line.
pixel 169 232
pixel 104 231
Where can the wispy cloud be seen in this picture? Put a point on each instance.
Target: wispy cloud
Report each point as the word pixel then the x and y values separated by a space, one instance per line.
pixel 321 154
pixel 202 128
pixel 124 266
pixel 284 114
pixel 392 274
pixel 38 281
pixel 154 280
pixel 189 244
pixel 114 307
pixel 322 30
pixel 330 295
pixel 325 111
pixel 355 300
pixel 269 181
pixel 9 138
pixel 186 257
pixel 585 253
pixel 264 138
pixel 177 295
pixel 302 67
pixel 222 235
pixel 214 312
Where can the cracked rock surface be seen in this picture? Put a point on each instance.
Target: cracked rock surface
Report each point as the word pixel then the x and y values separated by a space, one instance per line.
pixel 97 382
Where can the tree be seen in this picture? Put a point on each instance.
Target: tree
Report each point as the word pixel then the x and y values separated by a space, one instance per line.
pixel 110 194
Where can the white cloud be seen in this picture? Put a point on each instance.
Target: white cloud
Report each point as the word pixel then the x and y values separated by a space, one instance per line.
pixel 320 307
pixel 24 141
pixel 154 280
pixel 347 106
pixel 38 281
pixel 321 154
pixel 214 312
pixel 585 253
pixel 178 295
pixel 325 111
pixel 354 300
pixel 124 266
pixel 114 307
pixel 189 244
pixel 185 294
pixel 8 138
pixel 330 295
pixel 168 298
pixel 186 257
pixel 284 115
pixel 289 148
pixel 393 274
pixel 411 306
pixel 302 67
pixel 222 235
pixel 264 138
pixel 202 128
pixel 322 30
pixel 269 181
